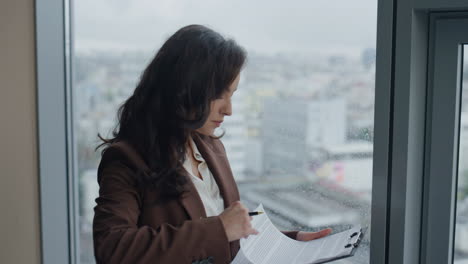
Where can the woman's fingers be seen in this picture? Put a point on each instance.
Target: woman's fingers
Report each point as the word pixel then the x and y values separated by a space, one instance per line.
pixel 307 236
pixel 252 231
pixel 236 221
pixel 324 232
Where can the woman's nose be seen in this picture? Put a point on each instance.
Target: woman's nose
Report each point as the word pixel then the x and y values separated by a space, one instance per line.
pixel 227 110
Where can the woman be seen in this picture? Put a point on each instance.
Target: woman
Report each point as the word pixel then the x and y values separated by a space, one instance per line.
pixel 167 194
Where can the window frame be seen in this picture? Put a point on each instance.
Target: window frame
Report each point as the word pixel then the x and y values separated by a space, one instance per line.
pixel 57 187
pixel 445 68
pixel 399 145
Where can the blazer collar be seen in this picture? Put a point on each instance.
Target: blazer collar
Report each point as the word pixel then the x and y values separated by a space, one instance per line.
pixel 215 157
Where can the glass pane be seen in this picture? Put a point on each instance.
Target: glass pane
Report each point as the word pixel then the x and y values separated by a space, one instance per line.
pixel 461 227
pixel 300 139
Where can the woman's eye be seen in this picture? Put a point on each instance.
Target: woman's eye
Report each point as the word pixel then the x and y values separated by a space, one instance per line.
pixel 223 96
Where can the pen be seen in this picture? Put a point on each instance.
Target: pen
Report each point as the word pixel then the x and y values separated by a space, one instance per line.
pixel 255 213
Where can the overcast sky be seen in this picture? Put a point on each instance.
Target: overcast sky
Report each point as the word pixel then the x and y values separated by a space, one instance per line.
pixel 261 26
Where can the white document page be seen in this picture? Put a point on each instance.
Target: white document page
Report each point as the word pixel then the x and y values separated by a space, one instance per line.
pixel 273 247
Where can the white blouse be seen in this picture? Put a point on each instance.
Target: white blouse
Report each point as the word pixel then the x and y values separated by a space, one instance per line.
pixel 207 188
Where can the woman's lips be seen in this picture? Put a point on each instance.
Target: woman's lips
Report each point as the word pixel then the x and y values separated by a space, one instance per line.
pixel 218 123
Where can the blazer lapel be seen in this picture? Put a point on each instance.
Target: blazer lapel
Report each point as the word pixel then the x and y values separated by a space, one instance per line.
pixel 190 200
pixel 218 164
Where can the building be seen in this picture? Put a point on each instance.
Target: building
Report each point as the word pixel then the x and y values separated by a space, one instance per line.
pixel 235 138
pixel 292 127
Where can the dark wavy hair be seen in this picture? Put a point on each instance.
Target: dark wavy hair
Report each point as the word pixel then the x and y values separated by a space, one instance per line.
pixel 193 67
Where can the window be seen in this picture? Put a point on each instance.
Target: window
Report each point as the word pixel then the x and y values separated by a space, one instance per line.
pixel 301 134
pixel 445 199
pixel 461 224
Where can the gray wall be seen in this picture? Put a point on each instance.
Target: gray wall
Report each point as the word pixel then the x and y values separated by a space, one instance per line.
pixel 19 196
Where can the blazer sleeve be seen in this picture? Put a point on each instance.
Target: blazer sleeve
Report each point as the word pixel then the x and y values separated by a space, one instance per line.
pixel 290 234
pixel 119 239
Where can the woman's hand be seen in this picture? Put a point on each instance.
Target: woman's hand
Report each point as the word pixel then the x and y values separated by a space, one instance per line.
pixel 236 222
pixel 307 236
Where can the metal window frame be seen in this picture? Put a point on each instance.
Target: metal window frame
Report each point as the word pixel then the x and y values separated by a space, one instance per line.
pixel 447 36
pixel 401 106
pixel 57 187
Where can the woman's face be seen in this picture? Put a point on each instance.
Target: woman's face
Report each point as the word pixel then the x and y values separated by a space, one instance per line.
pixel 218 109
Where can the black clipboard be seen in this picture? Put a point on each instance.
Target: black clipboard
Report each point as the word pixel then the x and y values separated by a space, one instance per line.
pixel 353 243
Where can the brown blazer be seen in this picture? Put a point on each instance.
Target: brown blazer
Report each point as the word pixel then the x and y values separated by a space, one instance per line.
pixel 129 228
